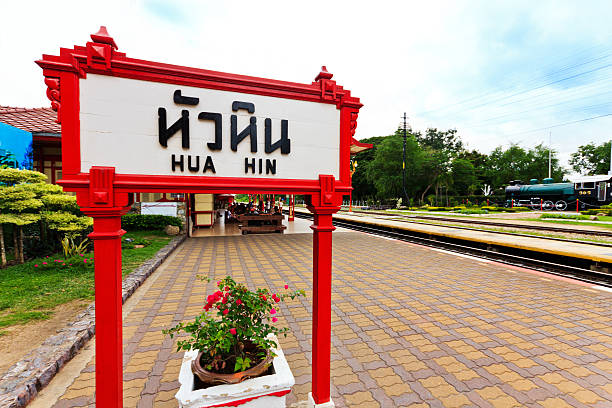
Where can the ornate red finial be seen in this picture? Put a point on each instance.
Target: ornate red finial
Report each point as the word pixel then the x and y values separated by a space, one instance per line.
pixel 103 37
pixel 324 74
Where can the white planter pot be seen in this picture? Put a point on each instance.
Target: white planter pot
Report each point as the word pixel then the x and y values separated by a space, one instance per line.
pixel 268 391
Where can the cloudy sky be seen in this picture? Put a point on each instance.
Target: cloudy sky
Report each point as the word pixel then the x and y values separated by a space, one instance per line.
pixel 499 72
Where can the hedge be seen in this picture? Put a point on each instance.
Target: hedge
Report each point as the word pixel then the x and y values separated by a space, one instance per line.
pixel 149 222
pixel 595 211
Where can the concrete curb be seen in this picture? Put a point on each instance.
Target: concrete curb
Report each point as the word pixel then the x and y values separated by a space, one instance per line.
pixel 24 379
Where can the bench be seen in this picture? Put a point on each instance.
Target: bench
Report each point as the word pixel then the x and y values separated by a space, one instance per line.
pixel 262 224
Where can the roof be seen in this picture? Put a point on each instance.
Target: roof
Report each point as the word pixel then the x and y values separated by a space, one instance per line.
pixel 357 146
pixel 35 120
pixel 589 179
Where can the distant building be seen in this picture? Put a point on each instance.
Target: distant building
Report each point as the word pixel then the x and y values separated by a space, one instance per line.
pixel 34 128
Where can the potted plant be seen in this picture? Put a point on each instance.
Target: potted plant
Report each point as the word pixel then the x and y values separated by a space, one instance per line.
pixel 232 356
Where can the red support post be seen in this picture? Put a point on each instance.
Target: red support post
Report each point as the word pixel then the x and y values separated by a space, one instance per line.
pixel 577 210
pixel 322 206
pixel 351 201
pixel 106 207
pixel 541 204
pixel 109 341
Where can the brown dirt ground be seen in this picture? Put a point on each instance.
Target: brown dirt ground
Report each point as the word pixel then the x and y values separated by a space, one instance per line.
pixel 17 341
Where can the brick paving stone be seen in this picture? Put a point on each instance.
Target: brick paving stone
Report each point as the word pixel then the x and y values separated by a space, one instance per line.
pixel 449 331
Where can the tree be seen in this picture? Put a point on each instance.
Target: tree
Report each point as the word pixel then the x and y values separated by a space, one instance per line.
pixel 591 159
pixel 17 206
pixel 434 168
pixel 537 166
pixel 440 148
pixel 26 199
pixel 480 162
pixel 463 176
pixel 385 170
pixel 447 141
pixel 516 163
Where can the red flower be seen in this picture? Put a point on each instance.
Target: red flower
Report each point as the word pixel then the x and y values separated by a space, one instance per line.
pixel 264 298
pixel 233 331
pixel 239 302
pixel 274 320
pixel 36 266
pixel 218 293
pixel 273 311
pixel 226 288
pixel 224 300
pixel 226 311
pixel 286 286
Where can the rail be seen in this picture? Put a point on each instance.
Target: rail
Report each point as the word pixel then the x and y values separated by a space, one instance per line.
pixel 575 268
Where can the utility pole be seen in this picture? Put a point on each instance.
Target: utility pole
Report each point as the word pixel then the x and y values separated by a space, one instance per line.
pixel 407 202
pixel 549 154
pixel 610 171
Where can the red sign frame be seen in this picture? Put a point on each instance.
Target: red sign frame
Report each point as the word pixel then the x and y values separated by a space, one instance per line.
pixel 100 56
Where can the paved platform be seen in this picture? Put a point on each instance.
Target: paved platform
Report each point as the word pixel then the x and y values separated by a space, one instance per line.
pixel 572 249
pixel 412 326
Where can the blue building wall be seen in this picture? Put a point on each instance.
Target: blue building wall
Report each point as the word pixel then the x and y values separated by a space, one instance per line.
pixel 15 147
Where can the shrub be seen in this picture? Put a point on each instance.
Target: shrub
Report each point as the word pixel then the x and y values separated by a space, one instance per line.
pixel 149 222
pixel 472 211
pixel 596 211
pixel 565 216
pixel 71 249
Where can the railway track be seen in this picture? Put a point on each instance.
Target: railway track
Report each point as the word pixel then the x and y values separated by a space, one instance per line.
pixel 575 268
pixel 403 219
pixel 498 224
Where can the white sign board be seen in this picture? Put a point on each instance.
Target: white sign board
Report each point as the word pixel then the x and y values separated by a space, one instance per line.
pixel 158 208
pixel 121 127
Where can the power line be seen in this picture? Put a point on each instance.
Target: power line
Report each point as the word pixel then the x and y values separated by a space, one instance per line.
pixel 535 79
pixel 559 125
pixel 538 87
pixel 569 95
pixel 494 120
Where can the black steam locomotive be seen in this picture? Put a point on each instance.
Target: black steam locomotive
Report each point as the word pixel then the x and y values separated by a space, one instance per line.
pixel 585 191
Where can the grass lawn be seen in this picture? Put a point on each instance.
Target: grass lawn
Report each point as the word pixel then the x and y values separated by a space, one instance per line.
pixel 31 291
